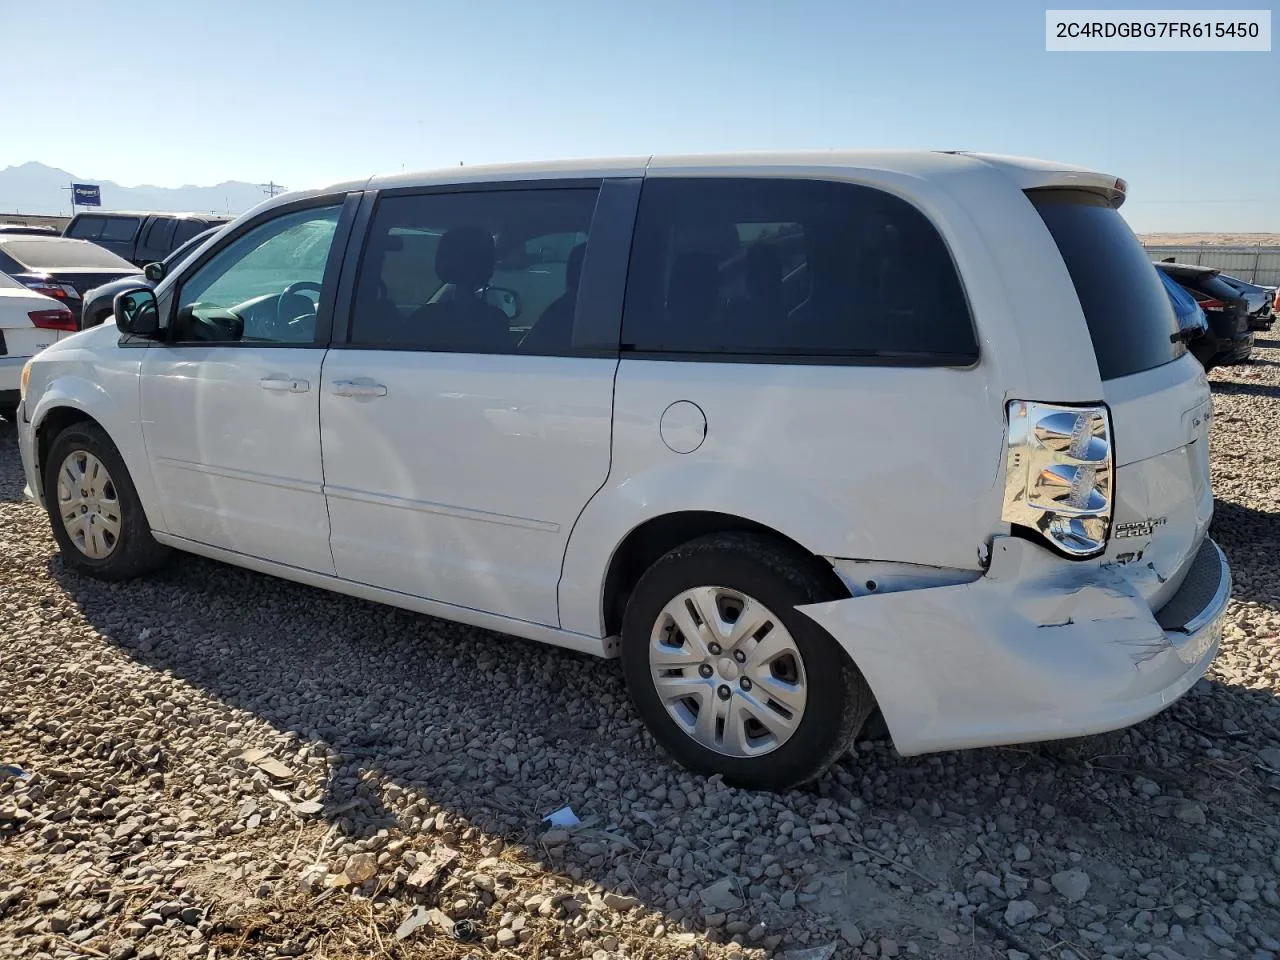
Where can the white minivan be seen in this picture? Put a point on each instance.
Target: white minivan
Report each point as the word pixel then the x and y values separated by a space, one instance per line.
pixel 793 435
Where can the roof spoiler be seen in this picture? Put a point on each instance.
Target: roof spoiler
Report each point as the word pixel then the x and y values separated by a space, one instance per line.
pixel 1042 175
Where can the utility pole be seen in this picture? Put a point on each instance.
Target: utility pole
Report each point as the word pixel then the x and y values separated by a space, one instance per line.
pixel 272 188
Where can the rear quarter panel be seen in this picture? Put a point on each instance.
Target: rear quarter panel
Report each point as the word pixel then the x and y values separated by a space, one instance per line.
pixel 862 462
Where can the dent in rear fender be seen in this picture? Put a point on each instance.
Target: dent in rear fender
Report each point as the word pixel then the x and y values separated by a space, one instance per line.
pixel 1033 648
pixel 97 401
pixel 792 509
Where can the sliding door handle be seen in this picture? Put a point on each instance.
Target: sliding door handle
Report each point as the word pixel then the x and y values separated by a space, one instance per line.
pixel 284 384
pixel 358 388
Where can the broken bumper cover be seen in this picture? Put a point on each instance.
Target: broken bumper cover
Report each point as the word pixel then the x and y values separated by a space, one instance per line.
pixel 1037 649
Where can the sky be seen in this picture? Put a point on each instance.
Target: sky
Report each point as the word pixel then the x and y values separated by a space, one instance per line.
pixel 305 93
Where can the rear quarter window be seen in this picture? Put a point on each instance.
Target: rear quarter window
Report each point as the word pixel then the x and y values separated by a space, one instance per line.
pixel 788 270
pixel 1130 318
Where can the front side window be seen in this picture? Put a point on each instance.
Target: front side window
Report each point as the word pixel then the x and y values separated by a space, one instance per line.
pixel 263 287
pixel 789 268
pixel 492 271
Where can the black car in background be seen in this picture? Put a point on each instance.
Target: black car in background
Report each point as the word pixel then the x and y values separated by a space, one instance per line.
pixel 1226 310
pixel 1258 298
pixel 60 268
pixel 99 302
pixel 141 238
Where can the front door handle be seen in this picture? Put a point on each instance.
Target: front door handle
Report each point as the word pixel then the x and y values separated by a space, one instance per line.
pixel 358 388
pixel 284 384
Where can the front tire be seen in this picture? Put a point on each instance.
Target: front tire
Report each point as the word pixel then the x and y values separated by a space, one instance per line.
pixel 97 518
pixel 728 676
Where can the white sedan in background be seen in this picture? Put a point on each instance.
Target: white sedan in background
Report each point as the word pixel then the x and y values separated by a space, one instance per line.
pixel 29 322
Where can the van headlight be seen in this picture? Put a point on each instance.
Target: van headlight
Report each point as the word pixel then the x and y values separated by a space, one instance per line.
pixel 22 383
pixel 1060 476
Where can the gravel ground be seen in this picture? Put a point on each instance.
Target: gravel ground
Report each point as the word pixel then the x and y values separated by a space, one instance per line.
pixel 222 764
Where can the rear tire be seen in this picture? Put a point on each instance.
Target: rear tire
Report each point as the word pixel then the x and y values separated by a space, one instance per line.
pixel 97 518
pixel 786 700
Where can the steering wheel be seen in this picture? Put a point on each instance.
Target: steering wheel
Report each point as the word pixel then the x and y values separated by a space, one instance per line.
pixel 294 290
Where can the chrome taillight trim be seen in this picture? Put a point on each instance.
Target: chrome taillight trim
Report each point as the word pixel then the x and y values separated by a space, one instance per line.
pixel 1060 474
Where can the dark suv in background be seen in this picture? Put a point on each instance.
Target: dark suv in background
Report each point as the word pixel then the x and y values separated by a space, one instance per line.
pixel 141 238
pixel 1226 310
pixel 99 302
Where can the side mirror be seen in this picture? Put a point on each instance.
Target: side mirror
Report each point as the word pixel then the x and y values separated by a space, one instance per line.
pixel 136 312
pixel 505 299
pixel 154 271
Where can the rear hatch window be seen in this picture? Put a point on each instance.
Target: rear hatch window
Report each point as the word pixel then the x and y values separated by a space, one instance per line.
pixel 56 253
pixel 1215 286
pixel 1130 318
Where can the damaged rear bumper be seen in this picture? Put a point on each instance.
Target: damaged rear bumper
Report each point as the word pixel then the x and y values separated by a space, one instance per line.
pixel 1037 649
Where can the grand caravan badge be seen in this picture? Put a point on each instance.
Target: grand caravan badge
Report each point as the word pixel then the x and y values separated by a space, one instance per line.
pixel 1140 528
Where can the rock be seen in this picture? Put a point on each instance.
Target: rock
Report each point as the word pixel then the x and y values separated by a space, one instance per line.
pixel 431 867
pixel 851 934
pixel 1218 935
pixel 788 900
pixel 888 948
pixel 1021 853
pixel 1270 756
pixel 949 937
pixel 721 896
pixel 360 867
pixel 507 938
pixel 1019 911
pixel 1071 884
pixel 1189 811
pixel 47 899
pixel 272 767
pixel 621 903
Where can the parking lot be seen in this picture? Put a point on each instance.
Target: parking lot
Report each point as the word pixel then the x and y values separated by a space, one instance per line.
pixel 207 756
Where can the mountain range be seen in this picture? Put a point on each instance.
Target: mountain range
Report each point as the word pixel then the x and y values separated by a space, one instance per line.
pixel 35 188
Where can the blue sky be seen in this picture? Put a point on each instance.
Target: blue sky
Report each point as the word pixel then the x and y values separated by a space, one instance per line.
pixel 310 92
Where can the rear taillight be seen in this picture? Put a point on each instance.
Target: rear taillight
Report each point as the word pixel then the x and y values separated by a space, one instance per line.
pixel 50 288
pixel 1211 304
pixel 1060 476
pixel 55 318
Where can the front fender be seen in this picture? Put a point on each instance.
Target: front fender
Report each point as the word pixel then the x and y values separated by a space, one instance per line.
pixel 108 394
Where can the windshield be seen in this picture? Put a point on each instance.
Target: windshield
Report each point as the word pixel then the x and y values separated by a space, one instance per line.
pixel 1129 314
pixel 59 252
